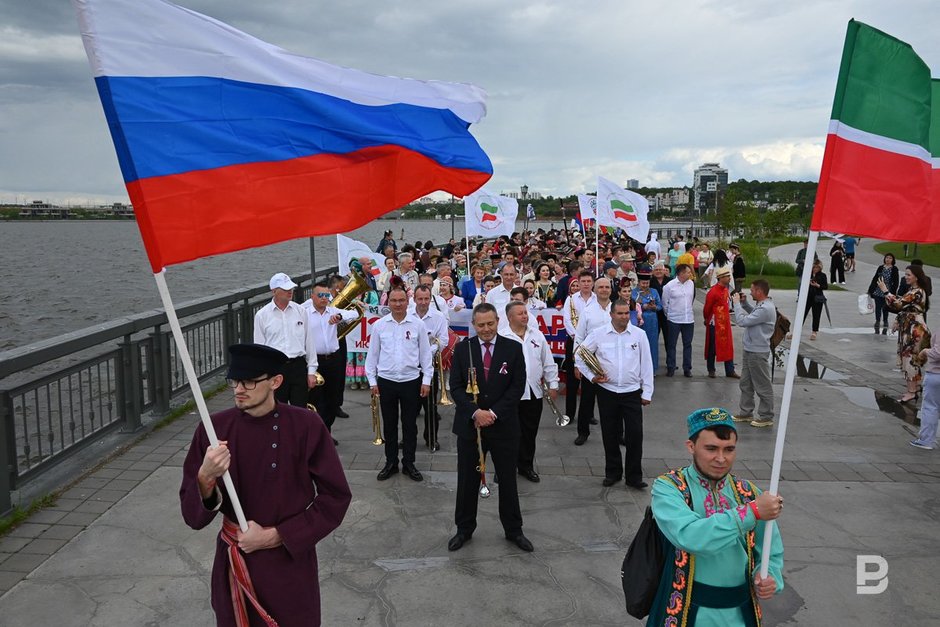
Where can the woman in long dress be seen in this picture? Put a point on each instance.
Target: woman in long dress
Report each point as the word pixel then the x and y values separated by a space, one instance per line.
pixel 648 300
pixel 912 330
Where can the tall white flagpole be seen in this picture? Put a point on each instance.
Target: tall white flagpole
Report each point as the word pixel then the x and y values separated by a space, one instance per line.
pixel 187 361
pixel 796 328
pixel 597 241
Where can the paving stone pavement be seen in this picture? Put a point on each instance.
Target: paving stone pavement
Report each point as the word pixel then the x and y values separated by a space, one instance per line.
pixel 113 550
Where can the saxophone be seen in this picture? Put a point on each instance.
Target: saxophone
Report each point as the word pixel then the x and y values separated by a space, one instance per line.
pixel 573 311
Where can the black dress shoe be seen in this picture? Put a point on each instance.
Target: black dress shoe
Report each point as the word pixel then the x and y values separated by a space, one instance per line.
pixel 387 471
pixel 594 420
pixel 522 542
pixel 687 373
pixel 341 414
pixel 581 439
pixel 412 472
pixel 609 481
pixel 530 474
pixel 637 485
pixel 458 541
pixel 670 372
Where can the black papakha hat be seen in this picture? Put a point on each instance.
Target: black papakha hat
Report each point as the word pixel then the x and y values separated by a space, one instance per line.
pixel 250 361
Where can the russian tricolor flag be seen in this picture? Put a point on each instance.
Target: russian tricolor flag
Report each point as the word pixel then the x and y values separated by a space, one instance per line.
pixel 227 142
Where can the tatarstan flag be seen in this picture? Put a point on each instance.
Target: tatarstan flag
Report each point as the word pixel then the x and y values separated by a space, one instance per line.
pixel 879 174
pixel 623 211
pixel 490 213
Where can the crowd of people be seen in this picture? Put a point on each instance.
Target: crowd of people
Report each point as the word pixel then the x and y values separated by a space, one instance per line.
pixel 618 298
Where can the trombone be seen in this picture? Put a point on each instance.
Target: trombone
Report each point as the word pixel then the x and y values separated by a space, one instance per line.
pixel 474 390
pixel 562 420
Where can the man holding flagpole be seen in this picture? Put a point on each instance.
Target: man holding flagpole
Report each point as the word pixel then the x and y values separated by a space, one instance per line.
pixel 292 487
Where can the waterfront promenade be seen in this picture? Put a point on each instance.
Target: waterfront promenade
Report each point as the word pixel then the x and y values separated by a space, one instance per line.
pixel 113 549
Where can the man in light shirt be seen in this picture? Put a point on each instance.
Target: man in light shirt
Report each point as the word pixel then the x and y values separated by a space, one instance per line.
pixel 399 369
pixel 323 343
pixel 282 324
pixel 678 298
pixel 406 270
pixel 436 324
pixel 624 388
pixel 539 365
pixel 596 314
pixel 499 295
pixel 575 303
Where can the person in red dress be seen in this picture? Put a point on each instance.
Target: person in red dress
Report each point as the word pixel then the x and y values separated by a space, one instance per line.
pixel 719 343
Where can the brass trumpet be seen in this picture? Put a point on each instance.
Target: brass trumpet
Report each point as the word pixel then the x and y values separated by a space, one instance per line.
pixel 474 389
pixel 561 420
pixel 376 421
pixel 443 400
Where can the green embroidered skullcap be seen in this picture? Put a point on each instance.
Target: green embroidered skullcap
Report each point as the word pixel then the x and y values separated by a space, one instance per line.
pixel 709 417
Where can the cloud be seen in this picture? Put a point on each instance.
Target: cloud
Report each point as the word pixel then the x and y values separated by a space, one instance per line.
pixel 576 89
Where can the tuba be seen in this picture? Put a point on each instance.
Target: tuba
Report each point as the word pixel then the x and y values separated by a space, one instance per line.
pixel 355 288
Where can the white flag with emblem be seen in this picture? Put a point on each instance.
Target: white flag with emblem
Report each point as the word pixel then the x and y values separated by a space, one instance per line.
pixel 623 209
pixel 490 215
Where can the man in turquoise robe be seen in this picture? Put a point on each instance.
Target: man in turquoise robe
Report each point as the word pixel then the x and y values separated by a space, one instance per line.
pixel 710 522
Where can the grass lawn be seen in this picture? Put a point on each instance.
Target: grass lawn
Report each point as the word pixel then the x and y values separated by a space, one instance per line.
pixel 929 253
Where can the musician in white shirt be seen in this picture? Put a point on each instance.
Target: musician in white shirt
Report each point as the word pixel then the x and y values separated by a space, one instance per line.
pixel 323 343
pixel 282 324
pixel 399 369
pixel 576 300
pixel 539 364
pixel 437 329
pixel 622 391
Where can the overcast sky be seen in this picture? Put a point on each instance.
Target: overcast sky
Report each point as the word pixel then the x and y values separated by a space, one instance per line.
pixel 623 89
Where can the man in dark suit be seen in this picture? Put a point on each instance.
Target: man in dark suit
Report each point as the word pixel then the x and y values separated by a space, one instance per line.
pixel 501 377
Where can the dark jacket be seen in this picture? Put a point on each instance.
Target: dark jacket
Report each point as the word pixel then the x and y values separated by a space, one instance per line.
pixel 500 392
pixel 892 284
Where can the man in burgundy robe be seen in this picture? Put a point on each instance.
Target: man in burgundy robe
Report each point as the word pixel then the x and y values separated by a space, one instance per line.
pixel 292 489
pixel 719 343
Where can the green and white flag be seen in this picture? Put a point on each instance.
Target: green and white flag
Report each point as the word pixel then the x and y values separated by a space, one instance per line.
pixel 623 209
pixel 880 175
pixel 490 215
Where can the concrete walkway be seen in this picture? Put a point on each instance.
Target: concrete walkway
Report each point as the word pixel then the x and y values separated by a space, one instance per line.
pixel 113 550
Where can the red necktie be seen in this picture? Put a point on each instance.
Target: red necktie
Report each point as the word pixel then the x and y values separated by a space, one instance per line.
pixel 487 359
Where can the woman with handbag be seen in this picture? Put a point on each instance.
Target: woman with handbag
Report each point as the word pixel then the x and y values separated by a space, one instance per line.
pixel 816 297
pixel 886 274
pixel 911 327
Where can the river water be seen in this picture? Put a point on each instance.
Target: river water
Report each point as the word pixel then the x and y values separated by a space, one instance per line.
pixel 57 277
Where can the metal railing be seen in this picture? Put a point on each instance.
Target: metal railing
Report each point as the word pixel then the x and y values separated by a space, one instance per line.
pixel 60 394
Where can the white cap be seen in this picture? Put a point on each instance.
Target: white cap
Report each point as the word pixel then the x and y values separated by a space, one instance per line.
pixel 282 281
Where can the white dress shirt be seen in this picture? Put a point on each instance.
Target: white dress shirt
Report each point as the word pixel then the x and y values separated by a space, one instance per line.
pixel 594 316
pixel 399 351
pixel 678 298
pixel 285 330
pixel 498 297
pixel 579 303
pixel 625 358
pixel 321 335
pixel 539 363
pixel 436 325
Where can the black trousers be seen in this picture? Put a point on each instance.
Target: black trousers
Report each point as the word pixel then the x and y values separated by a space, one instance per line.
pixel 503 452
pixel 294 389
pixel 572 383
pixel 530 414
pixel 400 400
pixel 816 308
pixel 429 406
pixel 621 417
pixel 342 388
pixel 327 397
pixel 586 408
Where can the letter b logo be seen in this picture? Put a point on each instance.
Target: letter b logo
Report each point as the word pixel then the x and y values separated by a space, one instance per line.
pixel 863 575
